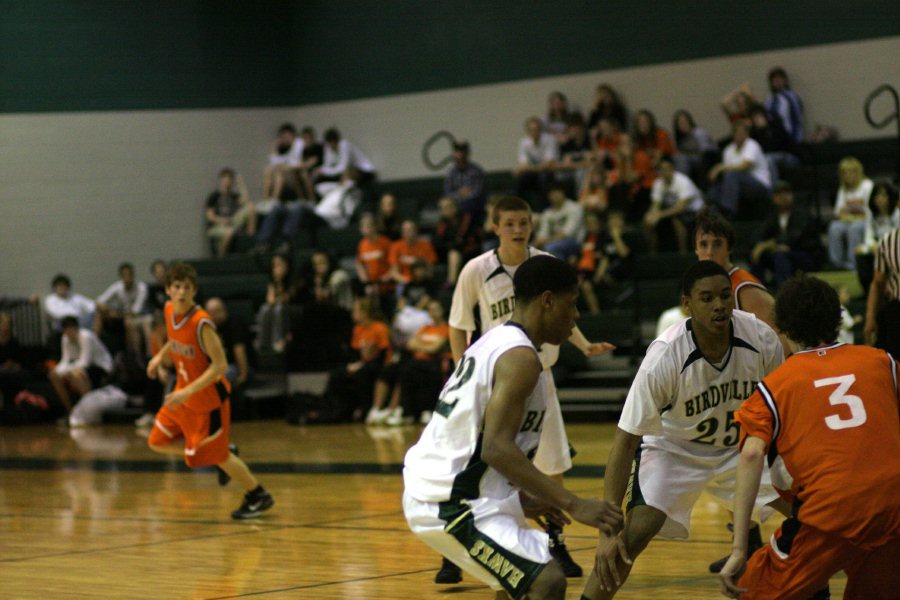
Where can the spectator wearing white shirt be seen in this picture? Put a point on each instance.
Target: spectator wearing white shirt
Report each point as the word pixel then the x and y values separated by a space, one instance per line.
pixel 119 307
pixel 85 363
pixel 63 302
pixel 561 228
pixel 287 152
pixel 340 155
pixel 538 155
pixel 674 199
pixel 847 231
pixel 743 177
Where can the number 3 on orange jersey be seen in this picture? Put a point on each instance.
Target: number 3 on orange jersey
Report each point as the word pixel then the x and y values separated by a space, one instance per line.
pixel 840 396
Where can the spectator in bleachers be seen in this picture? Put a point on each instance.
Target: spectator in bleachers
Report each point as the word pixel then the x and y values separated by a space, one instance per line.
pixel 156 289
pixel 742 180
pixel 456 238
pixel 275 314
pixel 235 341
pixel 775 142
pixel 607 105
pixel 607 137
pixel 387 219
pixel 605 256
pixel 119 310
pixel 287 152
pixel 337 207
pixel 575 156
pixel 422 375
pixel 229 211
pixel 697 152
pixel 560 229
pixel 464 182
pixel 85 363
pixel 299 178
pixel 351 386
pixel 882 217
pixel 651 138
pixel 593 195
pixel 406 250
pixel 17 364
pixel 339 154
pixel 675 201
pixel 372 267
pixel 63 302
pixel 784 104
pixel 737 103
pixel 326 283
pixel 538 153
pixel 630 180
pixel 847 231
pixel 556 122
pixel 789 240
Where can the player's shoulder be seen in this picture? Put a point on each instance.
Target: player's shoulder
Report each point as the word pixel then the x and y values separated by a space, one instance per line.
pixel 748 324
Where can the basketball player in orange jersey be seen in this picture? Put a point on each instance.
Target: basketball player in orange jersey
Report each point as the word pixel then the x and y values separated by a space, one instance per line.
pixel 198 409
pixel 831 413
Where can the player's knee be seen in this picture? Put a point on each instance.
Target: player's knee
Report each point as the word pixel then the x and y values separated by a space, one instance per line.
pixel 551 583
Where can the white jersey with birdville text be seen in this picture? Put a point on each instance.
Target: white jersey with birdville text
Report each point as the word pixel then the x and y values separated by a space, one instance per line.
pixel 486 285
pixel 679 395
pixel 446 462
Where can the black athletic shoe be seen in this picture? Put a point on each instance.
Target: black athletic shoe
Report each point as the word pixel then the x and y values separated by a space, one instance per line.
pixel 449 573
pixel 224 477
pixel 559 551
pixel 754 544
pixel 254 504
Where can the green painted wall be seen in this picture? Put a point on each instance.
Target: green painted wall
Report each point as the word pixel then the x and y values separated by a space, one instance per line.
pixel 78 55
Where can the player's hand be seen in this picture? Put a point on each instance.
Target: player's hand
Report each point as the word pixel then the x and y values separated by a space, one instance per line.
pixel 731 572
pixel 605 516
pixel 597 348
pixel 153 367
pixel 610 551
pixel 176 398
pixel 541 512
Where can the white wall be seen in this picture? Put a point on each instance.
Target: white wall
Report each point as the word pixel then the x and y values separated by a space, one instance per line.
pixel 83 191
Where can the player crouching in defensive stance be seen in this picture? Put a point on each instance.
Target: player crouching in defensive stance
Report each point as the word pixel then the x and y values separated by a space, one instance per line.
pixel 469 481
pixel 198 410
pixel 831 414
pixel 677 427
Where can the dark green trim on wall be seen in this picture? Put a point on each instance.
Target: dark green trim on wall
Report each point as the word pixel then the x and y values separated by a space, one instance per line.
pixel 78 55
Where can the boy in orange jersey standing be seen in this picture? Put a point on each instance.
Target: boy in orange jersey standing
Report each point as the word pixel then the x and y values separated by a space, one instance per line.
pixel 198 409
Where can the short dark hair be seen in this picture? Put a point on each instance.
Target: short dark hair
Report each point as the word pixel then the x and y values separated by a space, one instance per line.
pixel 287 127
pixel 508 204
pixel 308 131
pixel 543 273
pixel 808 311
pixel 461 146
pixel 227 171
pixel 700 270
pixel 332 135
pixel 126 265
pixel 710 221
pixel 69 321
pixel 181 271
pixel 61 278
pixel 891 192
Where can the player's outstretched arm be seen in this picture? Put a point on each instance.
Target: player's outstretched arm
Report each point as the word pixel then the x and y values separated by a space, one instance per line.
pixel 515 377
pixel 749 471
pixel 587 347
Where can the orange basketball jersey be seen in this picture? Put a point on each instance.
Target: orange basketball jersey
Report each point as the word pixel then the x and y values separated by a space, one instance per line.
pixel 741 278
pixel 832 414
pixel 190 358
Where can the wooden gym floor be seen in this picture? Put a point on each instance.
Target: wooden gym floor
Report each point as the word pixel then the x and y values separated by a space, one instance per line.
pixel 93 513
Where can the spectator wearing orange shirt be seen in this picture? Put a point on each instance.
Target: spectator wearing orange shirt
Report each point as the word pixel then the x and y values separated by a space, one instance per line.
pixel 631 180
pixel 651 138
pixel 351 387
pixel 372 265
pixel 406 250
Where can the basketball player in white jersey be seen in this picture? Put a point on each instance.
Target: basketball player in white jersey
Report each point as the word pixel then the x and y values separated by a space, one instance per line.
pixel 677 435
pixel 469 482
pixel 483 299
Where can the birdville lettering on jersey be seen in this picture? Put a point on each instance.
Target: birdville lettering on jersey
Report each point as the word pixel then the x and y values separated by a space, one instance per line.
pixel 719 394
pixel 185 350
pixel 503 307
pixel 497 563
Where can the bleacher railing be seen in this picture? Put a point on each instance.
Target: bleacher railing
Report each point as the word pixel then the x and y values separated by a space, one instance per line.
pixel 884 122
pixel 28 322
